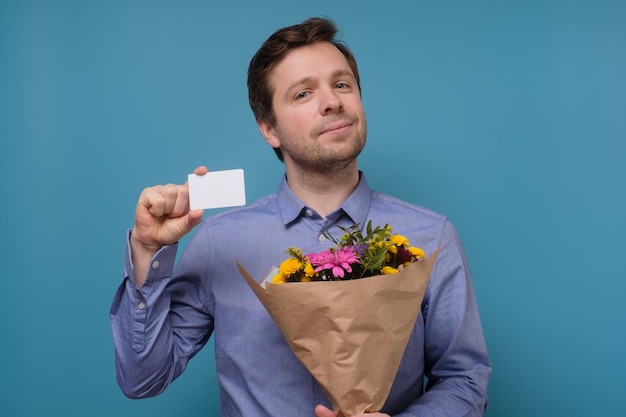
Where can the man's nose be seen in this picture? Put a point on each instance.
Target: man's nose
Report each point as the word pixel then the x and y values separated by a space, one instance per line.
pixel 330 102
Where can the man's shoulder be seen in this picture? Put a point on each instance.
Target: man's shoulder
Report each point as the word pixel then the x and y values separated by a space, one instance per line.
pixel 424 227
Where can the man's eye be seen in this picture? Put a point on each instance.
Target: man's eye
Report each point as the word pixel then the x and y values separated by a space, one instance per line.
pixel 301 95
pixel 341 85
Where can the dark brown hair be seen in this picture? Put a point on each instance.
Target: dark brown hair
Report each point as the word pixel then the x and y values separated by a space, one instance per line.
pixel 275 48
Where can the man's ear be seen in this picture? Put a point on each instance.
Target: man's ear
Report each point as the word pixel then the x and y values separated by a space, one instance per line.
pixel 268 132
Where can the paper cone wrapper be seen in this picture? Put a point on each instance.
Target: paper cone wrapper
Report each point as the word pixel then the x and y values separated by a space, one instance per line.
pixel 351 335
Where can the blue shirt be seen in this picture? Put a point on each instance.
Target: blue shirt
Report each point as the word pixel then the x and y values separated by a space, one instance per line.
pixel 157 329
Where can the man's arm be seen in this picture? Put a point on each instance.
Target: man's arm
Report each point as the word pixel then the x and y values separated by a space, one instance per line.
pixel 456 361
pixel 149 353
pixel 141 329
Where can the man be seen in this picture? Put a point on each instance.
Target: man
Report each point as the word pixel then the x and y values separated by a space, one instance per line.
pixel 305 93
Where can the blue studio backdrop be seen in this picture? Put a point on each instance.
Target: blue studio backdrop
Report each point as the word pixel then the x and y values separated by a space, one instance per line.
pixel 509 117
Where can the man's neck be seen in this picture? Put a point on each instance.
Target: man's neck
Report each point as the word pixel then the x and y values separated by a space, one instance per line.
pixel 323 191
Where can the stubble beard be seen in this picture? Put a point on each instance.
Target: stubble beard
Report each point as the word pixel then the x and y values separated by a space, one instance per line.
pixel 328 159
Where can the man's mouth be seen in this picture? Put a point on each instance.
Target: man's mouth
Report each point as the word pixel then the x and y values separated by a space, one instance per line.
pixel 337 127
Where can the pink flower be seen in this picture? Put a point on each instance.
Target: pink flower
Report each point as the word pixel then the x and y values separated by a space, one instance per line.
pixel 338 261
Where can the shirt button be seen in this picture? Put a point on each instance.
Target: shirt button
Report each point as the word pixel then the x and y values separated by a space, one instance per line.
pixel 155 264
pixel 322 238
pixel 309 212
pixel 141 306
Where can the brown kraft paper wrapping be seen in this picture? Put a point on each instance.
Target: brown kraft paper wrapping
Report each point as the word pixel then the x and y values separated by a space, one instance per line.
pixel 351 335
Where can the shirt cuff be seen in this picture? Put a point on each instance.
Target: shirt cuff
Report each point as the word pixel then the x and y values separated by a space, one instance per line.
pixel 161 264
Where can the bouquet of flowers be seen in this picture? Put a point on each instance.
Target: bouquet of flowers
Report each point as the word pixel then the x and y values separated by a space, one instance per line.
pixel 350 333
pixel 355 255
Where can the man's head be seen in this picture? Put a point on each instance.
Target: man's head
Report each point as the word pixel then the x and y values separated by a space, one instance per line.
pixel 275 49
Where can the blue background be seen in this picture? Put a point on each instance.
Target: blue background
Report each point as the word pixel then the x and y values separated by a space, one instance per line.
pixel 509 117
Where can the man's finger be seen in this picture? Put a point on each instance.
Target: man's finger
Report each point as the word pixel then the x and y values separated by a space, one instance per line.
pixel 321 411
pixel 153 201
pixel 181 204
pixel 201 170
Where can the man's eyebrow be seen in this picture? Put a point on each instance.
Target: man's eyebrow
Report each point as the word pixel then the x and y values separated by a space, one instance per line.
pixel 343 72
pixel 303 80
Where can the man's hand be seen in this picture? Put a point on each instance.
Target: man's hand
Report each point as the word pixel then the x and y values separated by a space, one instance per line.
pixel 162 217
pixel 321 411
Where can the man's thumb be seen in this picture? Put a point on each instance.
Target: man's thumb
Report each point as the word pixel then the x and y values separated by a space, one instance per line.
pixel 194 217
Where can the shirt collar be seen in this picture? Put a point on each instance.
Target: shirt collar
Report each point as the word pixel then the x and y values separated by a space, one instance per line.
pixel 356 206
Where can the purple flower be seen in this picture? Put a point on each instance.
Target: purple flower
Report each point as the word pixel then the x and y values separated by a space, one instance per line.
pixel 360 250
pixel 338 261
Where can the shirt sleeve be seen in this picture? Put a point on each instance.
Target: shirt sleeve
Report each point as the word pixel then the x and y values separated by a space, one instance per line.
pixel 456 360
pixel 152 343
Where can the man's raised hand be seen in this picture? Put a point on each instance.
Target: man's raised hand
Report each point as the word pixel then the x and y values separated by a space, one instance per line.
pixel 162 217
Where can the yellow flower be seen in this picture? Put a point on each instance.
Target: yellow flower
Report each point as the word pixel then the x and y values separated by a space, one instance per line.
pixel 388 270
pixel 380 244
pixel 417 252
pixel 309 271
pixel 305 279
pixel 278 279
pixel 294 252
pixel 399 240
pixel 289 266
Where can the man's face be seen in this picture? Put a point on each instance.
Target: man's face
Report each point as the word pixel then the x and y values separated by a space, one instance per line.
pixel 320 122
